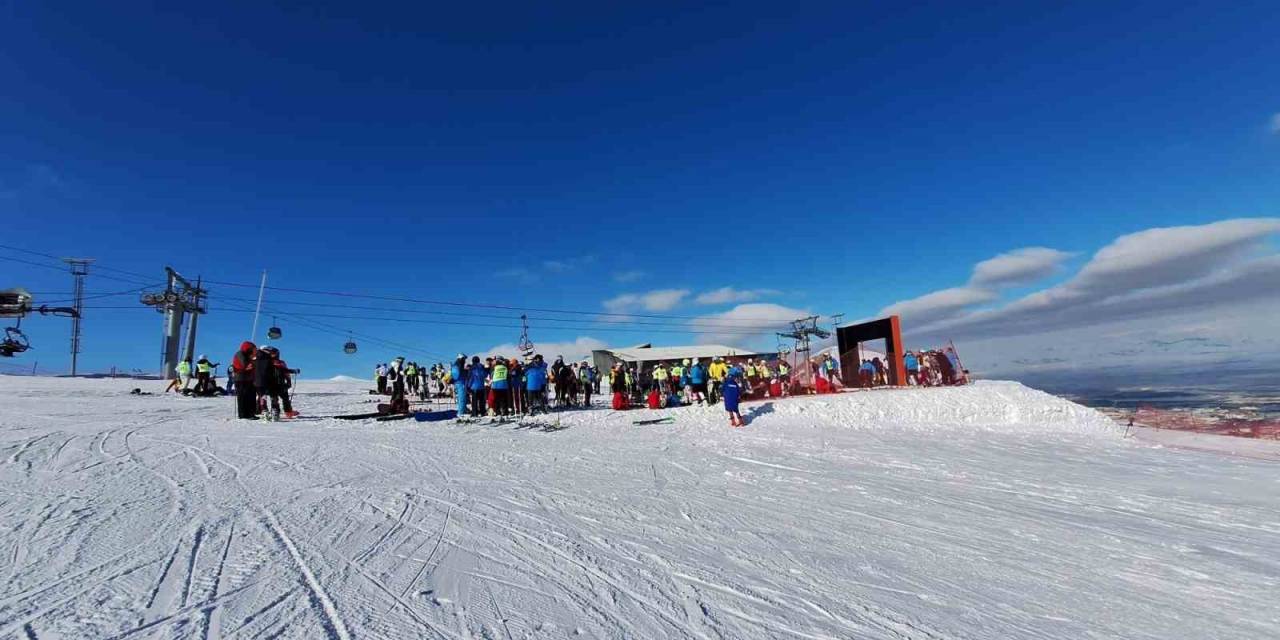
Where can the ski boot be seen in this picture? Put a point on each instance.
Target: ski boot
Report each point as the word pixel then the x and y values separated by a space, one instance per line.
pixel 275 415
pixel 291 414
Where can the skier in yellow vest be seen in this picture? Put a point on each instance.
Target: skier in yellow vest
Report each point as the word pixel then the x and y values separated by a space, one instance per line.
pixel 179 384
pixel 717 371
pixel 660 377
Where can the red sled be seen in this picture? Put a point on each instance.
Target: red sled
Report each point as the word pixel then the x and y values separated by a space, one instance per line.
pixel 654 400
pixel 775 389
pixel 619 401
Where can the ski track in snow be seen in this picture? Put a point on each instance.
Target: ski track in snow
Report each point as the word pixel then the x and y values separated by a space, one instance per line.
pixel 992 511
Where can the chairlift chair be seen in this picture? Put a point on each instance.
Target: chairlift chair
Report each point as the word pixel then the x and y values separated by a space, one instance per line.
pixel 14 342
pixel 350 347
pixel 15 303
pixel 274 332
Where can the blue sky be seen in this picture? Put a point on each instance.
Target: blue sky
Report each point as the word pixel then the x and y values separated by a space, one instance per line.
pixel 564 158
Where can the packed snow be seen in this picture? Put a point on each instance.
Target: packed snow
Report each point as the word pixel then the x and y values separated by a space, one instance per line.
pixel 990 511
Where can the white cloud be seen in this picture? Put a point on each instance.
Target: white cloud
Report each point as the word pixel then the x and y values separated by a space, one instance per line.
pixel 1149 274
pixel 725 295
pixel 1021 266
pixel 933 306
pixel 1171 254
pixel 579 349
pixel 657 300
pixel 629 276
pixel 746 325
pixel 530 275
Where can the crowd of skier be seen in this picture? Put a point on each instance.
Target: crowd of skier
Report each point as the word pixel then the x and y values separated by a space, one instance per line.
pixel 924 368
pixel 501 387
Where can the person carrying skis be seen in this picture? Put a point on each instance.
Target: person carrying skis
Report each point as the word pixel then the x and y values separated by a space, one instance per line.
pixel 475 384
pixel 242 374
pixel 380 376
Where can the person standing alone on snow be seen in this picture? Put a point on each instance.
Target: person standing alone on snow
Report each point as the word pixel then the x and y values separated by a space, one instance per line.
pixel 732 392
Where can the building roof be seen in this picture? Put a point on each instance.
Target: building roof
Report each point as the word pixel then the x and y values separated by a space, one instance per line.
pixel 647 354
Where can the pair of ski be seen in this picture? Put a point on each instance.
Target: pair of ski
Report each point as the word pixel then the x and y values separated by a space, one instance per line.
pixel 654 421
pixel 376 415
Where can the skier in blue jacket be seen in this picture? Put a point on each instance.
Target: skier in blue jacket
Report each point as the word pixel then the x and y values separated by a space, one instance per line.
pixel 475 385
pixel 535 381
pixel 913 368
pixel 731 390
pixel 458 375
pixel 698 380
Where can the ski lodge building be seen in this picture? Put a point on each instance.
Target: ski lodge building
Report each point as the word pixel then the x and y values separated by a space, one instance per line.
pixel 646 356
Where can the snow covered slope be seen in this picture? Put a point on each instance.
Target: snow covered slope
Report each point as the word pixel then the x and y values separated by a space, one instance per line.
pixel 993 511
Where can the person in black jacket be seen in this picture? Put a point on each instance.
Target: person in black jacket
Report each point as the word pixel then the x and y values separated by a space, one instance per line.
pixel 242 374
pixel 266 379
pixel 564 382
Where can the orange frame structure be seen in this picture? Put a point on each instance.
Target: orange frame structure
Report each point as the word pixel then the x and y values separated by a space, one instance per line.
pixel 887 329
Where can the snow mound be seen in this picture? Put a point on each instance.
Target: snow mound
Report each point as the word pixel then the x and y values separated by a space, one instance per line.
pixel 344 379
pixel 984 406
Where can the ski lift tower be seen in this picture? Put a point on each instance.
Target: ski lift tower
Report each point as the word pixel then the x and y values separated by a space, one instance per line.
pixel 79 269
pixel 802 331
pixel 174 305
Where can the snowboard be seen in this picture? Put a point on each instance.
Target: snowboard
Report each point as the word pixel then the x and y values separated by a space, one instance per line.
pixel 435 416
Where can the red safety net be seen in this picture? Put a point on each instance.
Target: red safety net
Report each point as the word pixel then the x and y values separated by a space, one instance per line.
pixel 1184 420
